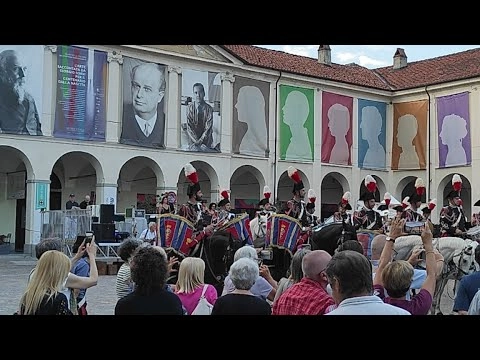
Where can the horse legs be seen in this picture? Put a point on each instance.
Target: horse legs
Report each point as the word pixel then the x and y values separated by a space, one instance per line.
pixel 439 289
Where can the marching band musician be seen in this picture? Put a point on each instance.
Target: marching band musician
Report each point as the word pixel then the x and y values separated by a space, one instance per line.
pixel 224 207
pixel 310 207
pixel 343 206
pixel 452 217
pixel 264 205
pixel 296 206
pixel 367 218
pixel 412 212
pixel 191 210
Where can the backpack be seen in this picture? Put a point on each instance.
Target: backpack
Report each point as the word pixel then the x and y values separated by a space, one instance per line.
pixel 203 307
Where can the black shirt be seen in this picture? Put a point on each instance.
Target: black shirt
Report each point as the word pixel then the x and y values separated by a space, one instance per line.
pixel 241 304
pixel 70 204
pixel 161 302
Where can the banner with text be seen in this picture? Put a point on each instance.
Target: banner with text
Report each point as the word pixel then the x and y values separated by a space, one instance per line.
pixel 81 93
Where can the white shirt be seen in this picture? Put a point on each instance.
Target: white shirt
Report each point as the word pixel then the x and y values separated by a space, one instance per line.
pixel 148 235
pixel 151 123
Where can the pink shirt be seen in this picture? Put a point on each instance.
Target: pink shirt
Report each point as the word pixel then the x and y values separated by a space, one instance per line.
pixel 190 300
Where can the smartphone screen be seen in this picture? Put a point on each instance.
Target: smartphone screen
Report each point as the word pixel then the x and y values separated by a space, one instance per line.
pixel 88 237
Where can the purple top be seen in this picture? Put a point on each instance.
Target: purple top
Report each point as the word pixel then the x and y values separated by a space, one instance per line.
pixel 419 304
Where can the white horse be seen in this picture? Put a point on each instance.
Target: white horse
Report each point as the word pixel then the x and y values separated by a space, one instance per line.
pixel 258 228
pixel 459 255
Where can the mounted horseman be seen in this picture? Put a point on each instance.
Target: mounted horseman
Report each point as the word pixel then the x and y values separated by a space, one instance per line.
pixel 367 218
pixel 452 218
pixel 343 207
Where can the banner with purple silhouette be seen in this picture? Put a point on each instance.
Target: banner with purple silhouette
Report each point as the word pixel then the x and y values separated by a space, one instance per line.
pixel 454 146
pixel 81 93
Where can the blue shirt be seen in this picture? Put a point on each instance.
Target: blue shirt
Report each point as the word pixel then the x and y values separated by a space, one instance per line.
pixel 468 287
pixel 82 268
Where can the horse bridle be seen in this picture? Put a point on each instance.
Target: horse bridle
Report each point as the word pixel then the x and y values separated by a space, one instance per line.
pixel 261 232
pixel 218 278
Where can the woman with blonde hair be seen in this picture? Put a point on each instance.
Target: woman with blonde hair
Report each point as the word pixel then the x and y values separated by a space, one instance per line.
pixel 190 284
pixel 43 294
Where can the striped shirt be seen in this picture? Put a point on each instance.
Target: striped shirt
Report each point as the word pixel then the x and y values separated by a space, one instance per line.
pixel 123 284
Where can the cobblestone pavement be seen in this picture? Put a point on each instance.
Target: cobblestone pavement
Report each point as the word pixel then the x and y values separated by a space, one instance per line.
pixel 14 270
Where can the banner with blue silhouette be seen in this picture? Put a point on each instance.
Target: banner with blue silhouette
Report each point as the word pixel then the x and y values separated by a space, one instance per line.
pixel 371 134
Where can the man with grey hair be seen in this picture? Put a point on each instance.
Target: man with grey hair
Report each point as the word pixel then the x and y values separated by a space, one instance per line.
pixel 309 296
pixel 265 286
pixel 18 111
pixel 241 301
pixel 150 234
pixel 350 276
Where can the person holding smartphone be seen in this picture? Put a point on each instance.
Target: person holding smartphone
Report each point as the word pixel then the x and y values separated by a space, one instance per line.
pixel 82 268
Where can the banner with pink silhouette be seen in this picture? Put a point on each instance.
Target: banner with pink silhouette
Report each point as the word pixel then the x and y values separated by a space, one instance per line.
pixel 453 118
pixel 336 128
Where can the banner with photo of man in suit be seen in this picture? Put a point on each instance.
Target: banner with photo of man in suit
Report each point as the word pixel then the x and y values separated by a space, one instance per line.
pixel 144 88
pixel 21 89
pixel 200 111
pixel 81 93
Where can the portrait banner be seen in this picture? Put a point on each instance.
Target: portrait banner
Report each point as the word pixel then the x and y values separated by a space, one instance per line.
pixel 251 100
pixel 371 134
pixel 21 89
pixel 409 135
pixel 144 89
pixel 81 94
pixel 336 128
pixel 453 120
pixel 296 123
pixel 200 111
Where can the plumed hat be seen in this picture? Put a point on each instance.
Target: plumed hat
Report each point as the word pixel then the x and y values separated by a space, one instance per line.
pixel 430 206
pixel 295 176
pixel 225 199
pixel 191 174
pixel 371 186
pixel 345 202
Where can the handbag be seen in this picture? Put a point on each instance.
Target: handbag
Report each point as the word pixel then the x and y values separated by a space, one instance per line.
pixel 203 307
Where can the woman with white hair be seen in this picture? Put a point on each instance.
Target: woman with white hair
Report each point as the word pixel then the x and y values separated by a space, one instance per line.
pixel 241 301
pixel 265 286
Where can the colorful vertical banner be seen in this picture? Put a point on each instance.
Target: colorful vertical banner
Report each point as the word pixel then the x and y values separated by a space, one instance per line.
pixel 250 117
pixel 409 135
pixel 296 123
pixel 336 128
pixel 81 93
pixel 371 134
pixel 41 196
pixel 200 111
pixel 454 144
pixel 21 89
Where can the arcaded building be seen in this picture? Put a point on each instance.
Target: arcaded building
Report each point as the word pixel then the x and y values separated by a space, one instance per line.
pixel 120 122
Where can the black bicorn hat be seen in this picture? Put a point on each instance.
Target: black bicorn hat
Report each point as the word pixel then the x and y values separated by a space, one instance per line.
pixel 414 198
pixel 368 196
pixel 452 194
pixel 225 200
pixel 263 202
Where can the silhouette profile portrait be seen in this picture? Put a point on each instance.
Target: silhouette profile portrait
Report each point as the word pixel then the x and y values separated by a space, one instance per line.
pixel 406 131
pixel 371 127
pixel 251 111
pixel 295 115
pixel 339 124
pixel 454 130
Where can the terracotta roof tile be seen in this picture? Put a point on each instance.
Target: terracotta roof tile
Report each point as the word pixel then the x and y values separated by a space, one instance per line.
pixel 459 66
pixel 453 67
pixel 279 60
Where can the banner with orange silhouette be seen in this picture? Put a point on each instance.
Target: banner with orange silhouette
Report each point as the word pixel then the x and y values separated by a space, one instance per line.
pixel 409 135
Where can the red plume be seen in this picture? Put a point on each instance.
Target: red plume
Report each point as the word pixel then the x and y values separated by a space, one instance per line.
pixel 224 194
pixel 457 182
pixel 293 174
pixel 370 183
pixel 432 204
pixel 387 198
pixel 267 192
pixel 312 196
pixel 346 197
pixel 191 173
pixel 420 186
pixel 405 202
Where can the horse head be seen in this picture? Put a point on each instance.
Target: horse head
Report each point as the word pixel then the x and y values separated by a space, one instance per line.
pixel 327 237
pixel 258 228
pixel 466 263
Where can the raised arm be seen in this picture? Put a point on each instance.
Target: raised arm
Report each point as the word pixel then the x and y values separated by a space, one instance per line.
pixel 431 262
